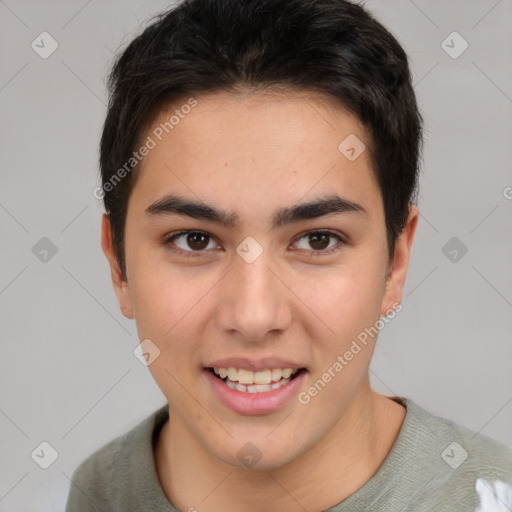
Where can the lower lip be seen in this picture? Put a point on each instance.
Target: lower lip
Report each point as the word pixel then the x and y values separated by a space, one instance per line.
pixel 265 402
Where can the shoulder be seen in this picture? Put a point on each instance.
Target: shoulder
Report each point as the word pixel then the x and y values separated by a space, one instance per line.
pixel 475 452
pixel 102 477
pixel 466 467
pixel 90 481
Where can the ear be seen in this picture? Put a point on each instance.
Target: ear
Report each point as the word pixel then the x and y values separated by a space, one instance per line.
pixel 120 285
pixel 397 269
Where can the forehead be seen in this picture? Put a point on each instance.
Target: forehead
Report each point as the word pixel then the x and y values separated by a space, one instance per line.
pixel 256 147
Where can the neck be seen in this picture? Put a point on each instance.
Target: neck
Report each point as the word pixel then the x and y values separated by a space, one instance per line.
pixel 329 472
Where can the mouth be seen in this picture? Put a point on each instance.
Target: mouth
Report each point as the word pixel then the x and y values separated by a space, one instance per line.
pixel 248 381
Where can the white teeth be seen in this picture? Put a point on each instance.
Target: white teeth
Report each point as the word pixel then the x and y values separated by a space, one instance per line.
pixel 259 378
pixel 262 377
pixel 223 372
pixel 276 374
pixel 255 388
pixel 245 376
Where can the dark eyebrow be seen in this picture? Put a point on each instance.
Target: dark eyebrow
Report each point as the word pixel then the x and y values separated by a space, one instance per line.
pixel 172 204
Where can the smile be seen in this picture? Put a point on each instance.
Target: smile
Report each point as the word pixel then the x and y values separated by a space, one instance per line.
pixel 248 381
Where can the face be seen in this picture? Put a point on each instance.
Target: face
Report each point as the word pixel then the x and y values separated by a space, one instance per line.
pixel 252 283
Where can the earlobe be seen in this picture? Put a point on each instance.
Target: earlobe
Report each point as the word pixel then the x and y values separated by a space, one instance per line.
pixel 121 287
pixel 400 264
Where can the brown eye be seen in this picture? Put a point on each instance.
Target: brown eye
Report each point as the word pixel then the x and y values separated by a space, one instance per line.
pixel 320 241
pixel 191 243
pixel 196 241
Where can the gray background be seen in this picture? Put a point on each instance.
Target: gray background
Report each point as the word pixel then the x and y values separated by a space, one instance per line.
pixel 67 372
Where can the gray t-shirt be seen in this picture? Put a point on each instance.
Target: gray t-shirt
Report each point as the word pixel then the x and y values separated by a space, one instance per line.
pixel 434 465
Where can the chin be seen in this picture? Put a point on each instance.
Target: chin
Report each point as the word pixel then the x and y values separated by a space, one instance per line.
pixel 258 454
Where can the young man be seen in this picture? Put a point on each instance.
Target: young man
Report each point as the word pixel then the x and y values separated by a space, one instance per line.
pixel 259 164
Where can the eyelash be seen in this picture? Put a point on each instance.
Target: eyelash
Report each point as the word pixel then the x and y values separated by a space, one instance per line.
pixel 192 254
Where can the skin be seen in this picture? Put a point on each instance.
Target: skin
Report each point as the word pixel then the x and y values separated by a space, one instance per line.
pixel 253 153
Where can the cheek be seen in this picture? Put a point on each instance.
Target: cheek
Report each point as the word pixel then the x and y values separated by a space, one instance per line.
pixel 348 299
pixel 165 303
pixel 168 311
pixel 349 304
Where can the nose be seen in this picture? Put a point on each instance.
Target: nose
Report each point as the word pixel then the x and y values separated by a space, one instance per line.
pixel 255 300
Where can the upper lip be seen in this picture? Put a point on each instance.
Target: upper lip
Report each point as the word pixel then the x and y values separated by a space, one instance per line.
pixel 253 364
